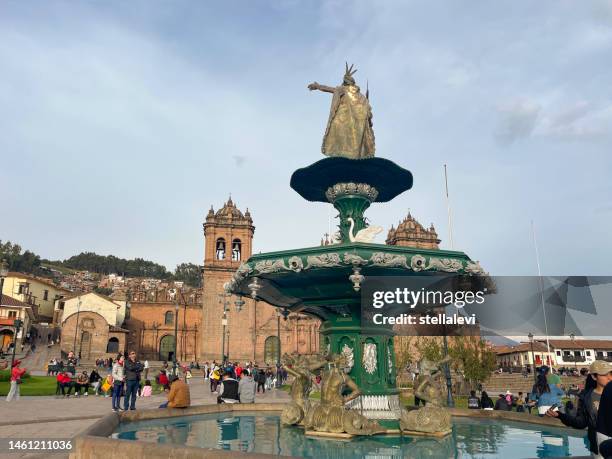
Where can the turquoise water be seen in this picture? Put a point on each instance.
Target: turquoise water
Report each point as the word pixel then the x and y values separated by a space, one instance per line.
pixel 262 433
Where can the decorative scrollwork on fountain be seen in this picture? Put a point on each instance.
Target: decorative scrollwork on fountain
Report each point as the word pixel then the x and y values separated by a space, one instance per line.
pixel 388 260
pixel 347 352
pixel 270 266
pixel 295 264
pixel 347 189
pixel 417 263
pixel 370 362
pixel 445 264
pixel 326 260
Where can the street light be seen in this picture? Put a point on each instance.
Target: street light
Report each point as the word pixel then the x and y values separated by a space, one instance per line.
pixel 573 338
pixel 17 324
pixel 176 309
pixel 530 336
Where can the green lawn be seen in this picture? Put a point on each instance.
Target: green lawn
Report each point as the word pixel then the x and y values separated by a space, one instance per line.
pixel 34 385
pixel 45 385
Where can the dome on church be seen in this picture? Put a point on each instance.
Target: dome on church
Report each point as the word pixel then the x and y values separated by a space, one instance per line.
pixel 229 211
pixel 410 233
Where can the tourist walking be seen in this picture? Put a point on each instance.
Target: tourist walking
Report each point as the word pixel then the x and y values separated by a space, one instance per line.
pixel 133 368
pixel 146 369
pixel 260 377
pixel 15 381
pixel 118 375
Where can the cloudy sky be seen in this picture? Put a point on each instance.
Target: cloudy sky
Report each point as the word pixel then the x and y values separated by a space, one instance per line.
pixel 121 123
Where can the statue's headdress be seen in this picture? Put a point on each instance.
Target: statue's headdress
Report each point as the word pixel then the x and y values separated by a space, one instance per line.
pixel 348 74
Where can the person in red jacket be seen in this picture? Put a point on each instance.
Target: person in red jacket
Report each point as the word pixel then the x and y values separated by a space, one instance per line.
pixel 65 382
pixel 163 380
pixel 16 375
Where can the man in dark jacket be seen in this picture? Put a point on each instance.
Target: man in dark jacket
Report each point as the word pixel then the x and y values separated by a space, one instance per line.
pixel 600 374
pixel 501 404
pixel 228 390
pixel 132 368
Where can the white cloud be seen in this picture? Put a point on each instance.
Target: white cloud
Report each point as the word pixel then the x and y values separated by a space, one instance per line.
pixel 516 120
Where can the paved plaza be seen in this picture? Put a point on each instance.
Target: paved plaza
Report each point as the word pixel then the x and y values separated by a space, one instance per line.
pixel 64 418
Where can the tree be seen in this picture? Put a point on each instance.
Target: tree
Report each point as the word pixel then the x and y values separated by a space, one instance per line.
pixel 189 273
pixel 26 262
pixel 475 357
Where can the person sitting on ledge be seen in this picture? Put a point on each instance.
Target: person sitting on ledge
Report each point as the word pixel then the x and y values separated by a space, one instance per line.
pixel 228 390
pixel 473 401
pixel 501 404
pixel 178 397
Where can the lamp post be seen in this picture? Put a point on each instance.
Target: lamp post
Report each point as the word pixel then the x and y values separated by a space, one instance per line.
pixel 530 336
pixel 573 338
pixel 224 300
pixel 176 310
pixel 17 324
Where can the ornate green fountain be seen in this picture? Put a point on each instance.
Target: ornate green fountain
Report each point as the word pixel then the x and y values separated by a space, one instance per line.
pixel 325 281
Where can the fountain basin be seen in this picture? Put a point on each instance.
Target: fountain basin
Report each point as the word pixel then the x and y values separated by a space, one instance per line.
pixel 255 431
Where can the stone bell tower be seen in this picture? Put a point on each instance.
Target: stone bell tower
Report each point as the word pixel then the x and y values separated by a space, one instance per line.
pixel 228 237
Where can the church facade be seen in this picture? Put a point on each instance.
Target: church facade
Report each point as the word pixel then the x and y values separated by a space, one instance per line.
pixel 248 331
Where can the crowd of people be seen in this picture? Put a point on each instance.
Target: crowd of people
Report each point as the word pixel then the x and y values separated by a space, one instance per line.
pixel 588 407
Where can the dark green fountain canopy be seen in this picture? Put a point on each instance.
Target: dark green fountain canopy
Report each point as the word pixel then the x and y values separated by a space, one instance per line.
pixel 388 178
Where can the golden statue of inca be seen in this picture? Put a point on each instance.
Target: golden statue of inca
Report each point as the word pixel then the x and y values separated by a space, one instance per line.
pixel 349 130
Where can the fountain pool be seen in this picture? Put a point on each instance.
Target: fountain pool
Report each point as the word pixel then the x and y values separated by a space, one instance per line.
pixel 263 433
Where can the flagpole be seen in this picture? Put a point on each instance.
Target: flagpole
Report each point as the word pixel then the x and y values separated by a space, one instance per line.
pixel 537 253
pixel 450 223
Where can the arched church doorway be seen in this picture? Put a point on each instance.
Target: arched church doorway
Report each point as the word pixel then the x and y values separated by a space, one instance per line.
pixel 166 348
pixel 271 350
pixel 85 345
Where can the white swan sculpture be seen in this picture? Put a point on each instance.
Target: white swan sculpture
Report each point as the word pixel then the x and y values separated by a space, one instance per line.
pixel 365 235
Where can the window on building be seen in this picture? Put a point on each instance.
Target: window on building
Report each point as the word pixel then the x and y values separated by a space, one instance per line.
pixel 169 318
pixel 236 249
pixel 12 314
pixel 566 353
pixel 588 353
pixel 220 249
pixel 113 346
pixel 559 353
pixel 599 354
pixel 46 295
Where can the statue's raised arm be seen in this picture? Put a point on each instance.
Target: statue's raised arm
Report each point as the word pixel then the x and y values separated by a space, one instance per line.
pixel 349 130
pixel 320 87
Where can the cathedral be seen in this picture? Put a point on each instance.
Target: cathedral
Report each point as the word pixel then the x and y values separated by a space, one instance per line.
pixel 241 328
